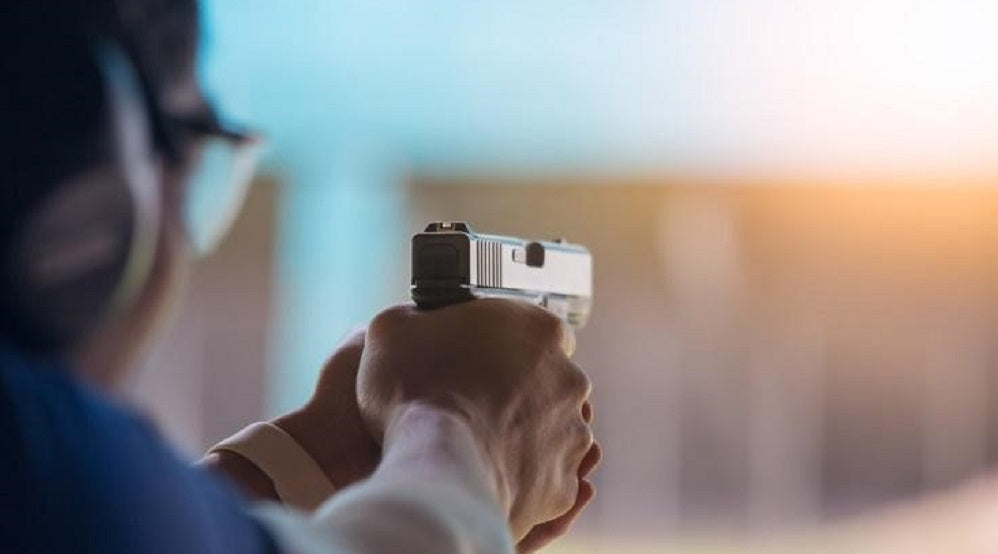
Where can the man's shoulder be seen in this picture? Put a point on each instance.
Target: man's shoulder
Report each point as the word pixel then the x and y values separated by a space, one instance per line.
pixel 75 460
pixel 49 417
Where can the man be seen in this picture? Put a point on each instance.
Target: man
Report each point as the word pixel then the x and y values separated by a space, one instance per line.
pixel 465 429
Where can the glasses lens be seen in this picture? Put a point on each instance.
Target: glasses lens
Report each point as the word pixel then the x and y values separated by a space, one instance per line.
pixel 216 189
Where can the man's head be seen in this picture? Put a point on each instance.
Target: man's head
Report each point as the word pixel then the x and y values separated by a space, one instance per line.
pixel 53 92
pixel 95 92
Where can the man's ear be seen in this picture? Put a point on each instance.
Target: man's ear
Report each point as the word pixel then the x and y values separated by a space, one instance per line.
pixel 83 250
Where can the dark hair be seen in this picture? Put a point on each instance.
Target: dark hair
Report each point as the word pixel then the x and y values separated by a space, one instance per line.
pixel 51 96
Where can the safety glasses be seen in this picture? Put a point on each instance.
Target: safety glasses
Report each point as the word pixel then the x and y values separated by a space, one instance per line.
pixel 219 176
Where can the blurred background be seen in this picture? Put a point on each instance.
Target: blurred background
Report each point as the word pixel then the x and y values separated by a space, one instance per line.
pixel 791 207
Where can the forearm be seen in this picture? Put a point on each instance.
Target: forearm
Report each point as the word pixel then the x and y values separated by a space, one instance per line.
pixel 317 451
pixel 433 492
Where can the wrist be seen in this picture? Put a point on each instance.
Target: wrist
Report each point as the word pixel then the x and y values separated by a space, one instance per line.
pixel 296 478
pixel 250 479
pixel 345 453
pixel 441 442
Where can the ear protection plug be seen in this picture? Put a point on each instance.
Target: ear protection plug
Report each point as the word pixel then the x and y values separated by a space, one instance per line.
pixel 85 248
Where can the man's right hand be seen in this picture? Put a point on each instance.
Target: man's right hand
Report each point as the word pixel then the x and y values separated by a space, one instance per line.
pixel 503 367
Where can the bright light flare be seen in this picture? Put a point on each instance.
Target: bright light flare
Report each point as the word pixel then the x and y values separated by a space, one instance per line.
pixel 854 86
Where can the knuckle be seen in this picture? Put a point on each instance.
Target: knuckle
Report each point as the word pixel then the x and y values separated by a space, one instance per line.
pixel 349 350
pixel 564 501
pixel 519 313
pixel 550 324
pixel 591 460
pixel 578 381
pixel 388 319
pixel 585 435
pixel 588 411
pixel 354 339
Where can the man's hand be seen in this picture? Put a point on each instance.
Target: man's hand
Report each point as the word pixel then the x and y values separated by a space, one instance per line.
pixel 328 427
pixel 502 366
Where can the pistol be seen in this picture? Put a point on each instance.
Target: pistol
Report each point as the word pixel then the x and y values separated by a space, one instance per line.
pixel 451 264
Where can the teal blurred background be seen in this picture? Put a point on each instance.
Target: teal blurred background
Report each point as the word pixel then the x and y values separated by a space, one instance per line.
pixel 355 96
pixel 791 207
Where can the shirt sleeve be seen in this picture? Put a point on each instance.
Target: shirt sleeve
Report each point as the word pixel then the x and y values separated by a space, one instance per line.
pixel 294 532
pixel 80 473
pixel 389 519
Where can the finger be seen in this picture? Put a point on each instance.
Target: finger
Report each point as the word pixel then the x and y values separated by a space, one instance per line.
pixel 547 324
pixel 582 458
pixel 337 381
pixel 591 460
pixel 577 381
pixel 567 338
pixel 543 534
pixel 563 332
pixel 355 338
pixel 586 440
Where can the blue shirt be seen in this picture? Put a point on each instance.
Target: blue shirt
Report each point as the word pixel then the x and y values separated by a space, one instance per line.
pixel 81 474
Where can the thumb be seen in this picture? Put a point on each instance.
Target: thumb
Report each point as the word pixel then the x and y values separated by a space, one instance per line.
pixel 339 374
